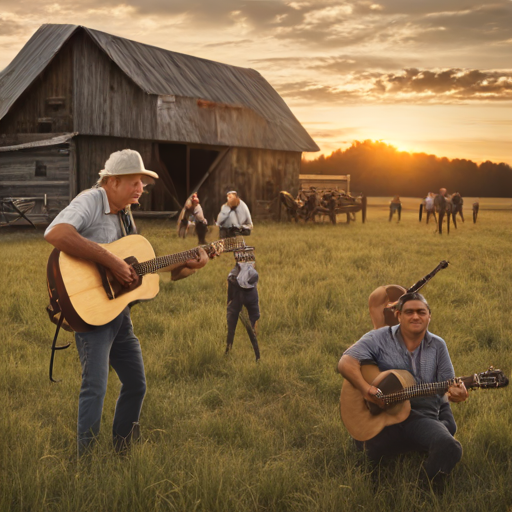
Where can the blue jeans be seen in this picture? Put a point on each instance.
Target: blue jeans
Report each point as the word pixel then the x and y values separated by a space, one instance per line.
pixel 114 344
pixel 418 433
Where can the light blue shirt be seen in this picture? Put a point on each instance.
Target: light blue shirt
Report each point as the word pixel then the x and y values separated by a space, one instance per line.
pixel 430 362
pixel 89 213
pixel 239 217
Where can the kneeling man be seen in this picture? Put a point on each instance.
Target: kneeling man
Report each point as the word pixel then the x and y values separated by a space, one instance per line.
pixel 430 426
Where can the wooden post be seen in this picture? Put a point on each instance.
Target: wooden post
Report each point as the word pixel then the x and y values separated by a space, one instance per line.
pixel 188 170
pixel 73 171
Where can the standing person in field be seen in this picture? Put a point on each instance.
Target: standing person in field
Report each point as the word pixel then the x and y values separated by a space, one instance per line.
pixel 457 205
pixel 395 206
pixel 429 206
pixel 442 206
pixel 194 210
pixel 243 291
pixel 476 207
pixel 409 346
pixel 234 217
pixel 96 216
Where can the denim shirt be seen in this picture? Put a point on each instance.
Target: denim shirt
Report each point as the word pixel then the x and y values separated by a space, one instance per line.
pixel 386 348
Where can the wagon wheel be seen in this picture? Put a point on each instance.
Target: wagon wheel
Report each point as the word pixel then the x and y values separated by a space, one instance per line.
pixel 364 202
pixel 421 211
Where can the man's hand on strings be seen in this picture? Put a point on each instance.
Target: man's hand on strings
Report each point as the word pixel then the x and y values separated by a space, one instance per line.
pixel 124 273
pixel 370 396
pixel 199 261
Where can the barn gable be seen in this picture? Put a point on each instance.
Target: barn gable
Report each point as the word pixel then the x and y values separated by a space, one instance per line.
pixel 189 99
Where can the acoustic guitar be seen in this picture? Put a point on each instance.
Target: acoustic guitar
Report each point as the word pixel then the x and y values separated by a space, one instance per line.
pixel 364 420
pixel 89 295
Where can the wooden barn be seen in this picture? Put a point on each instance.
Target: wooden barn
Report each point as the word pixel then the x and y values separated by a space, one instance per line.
pixel 74 95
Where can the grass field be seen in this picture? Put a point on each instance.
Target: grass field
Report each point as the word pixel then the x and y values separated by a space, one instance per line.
pixel 227 434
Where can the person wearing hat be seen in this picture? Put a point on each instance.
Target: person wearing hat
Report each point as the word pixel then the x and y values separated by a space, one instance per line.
pixel 97 216
pixel 234 217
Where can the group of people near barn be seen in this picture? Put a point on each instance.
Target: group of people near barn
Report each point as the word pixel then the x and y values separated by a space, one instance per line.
pixel 234 218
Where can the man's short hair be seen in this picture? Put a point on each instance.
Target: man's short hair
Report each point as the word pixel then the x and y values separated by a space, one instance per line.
pixel 406 297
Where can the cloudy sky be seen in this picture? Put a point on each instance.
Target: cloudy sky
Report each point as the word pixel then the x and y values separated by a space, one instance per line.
pixel 429 76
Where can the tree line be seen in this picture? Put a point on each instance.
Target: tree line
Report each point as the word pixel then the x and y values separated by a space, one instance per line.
pixel 379 169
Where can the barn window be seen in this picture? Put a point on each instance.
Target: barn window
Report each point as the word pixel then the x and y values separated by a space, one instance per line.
pixel 45 125
pixel 40 169
pixel 166 102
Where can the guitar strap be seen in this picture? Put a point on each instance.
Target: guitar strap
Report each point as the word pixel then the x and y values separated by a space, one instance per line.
pixel 55 313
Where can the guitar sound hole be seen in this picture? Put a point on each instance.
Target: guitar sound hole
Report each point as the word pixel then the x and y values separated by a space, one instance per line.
pixel 390 384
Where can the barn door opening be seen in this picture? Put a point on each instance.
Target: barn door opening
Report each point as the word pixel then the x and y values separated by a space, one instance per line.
pixel 186 166
pixel 174 160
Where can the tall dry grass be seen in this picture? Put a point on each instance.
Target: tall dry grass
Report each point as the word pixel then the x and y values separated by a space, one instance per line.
pixel 224 433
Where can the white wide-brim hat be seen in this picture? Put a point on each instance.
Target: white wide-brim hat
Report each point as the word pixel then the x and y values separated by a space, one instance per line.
pixel 127 161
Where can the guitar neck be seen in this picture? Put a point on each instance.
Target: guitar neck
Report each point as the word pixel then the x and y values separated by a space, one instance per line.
pixel 156 264
pixel 422 282
pixel 427 389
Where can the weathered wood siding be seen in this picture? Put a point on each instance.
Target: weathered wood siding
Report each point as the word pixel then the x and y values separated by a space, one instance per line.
pixel 49 98
pixel 257 175
pixel 109 103
pixel 35 172
pixel 106 101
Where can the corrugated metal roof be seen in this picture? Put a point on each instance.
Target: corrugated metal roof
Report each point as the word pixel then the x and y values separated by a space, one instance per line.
pixel 54 141
pixel 161 72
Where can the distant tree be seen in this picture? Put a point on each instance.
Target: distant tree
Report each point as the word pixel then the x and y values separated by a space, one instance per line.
pixel 379 169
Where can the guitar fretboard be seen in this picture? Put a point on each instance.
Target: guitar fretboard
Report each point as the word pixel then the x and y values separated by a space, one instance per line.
pixel 425 389
pixel 154 265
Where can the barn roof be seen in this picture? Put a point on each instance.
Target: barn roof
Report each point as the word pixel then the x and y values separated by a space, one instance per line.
pixel 161 72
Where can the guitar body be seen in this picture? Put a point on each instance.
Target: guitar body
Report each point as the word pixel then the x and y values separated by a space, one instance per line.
pixel 365 420
pixel 83 297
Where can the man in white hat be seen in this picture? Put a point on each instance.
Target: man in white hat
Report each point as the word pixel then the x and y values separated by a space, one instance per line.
pixel 101 215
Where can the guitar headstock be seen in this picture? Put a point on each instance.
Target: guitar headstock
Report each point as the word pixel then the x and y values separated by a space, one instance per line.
pixel 492 378
pixel 216 248
pixel 244 255
pixel 234 243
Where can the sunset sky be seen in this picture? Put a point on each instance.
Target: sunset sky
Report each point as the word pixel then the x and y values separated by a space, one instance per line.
pixel 430 76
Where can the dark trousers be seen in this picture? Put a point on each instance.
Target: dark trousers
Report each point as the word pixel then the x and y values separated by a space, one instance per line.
pixel 239 297
pixel 395 207
pixel 201 230
pixel 421 434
